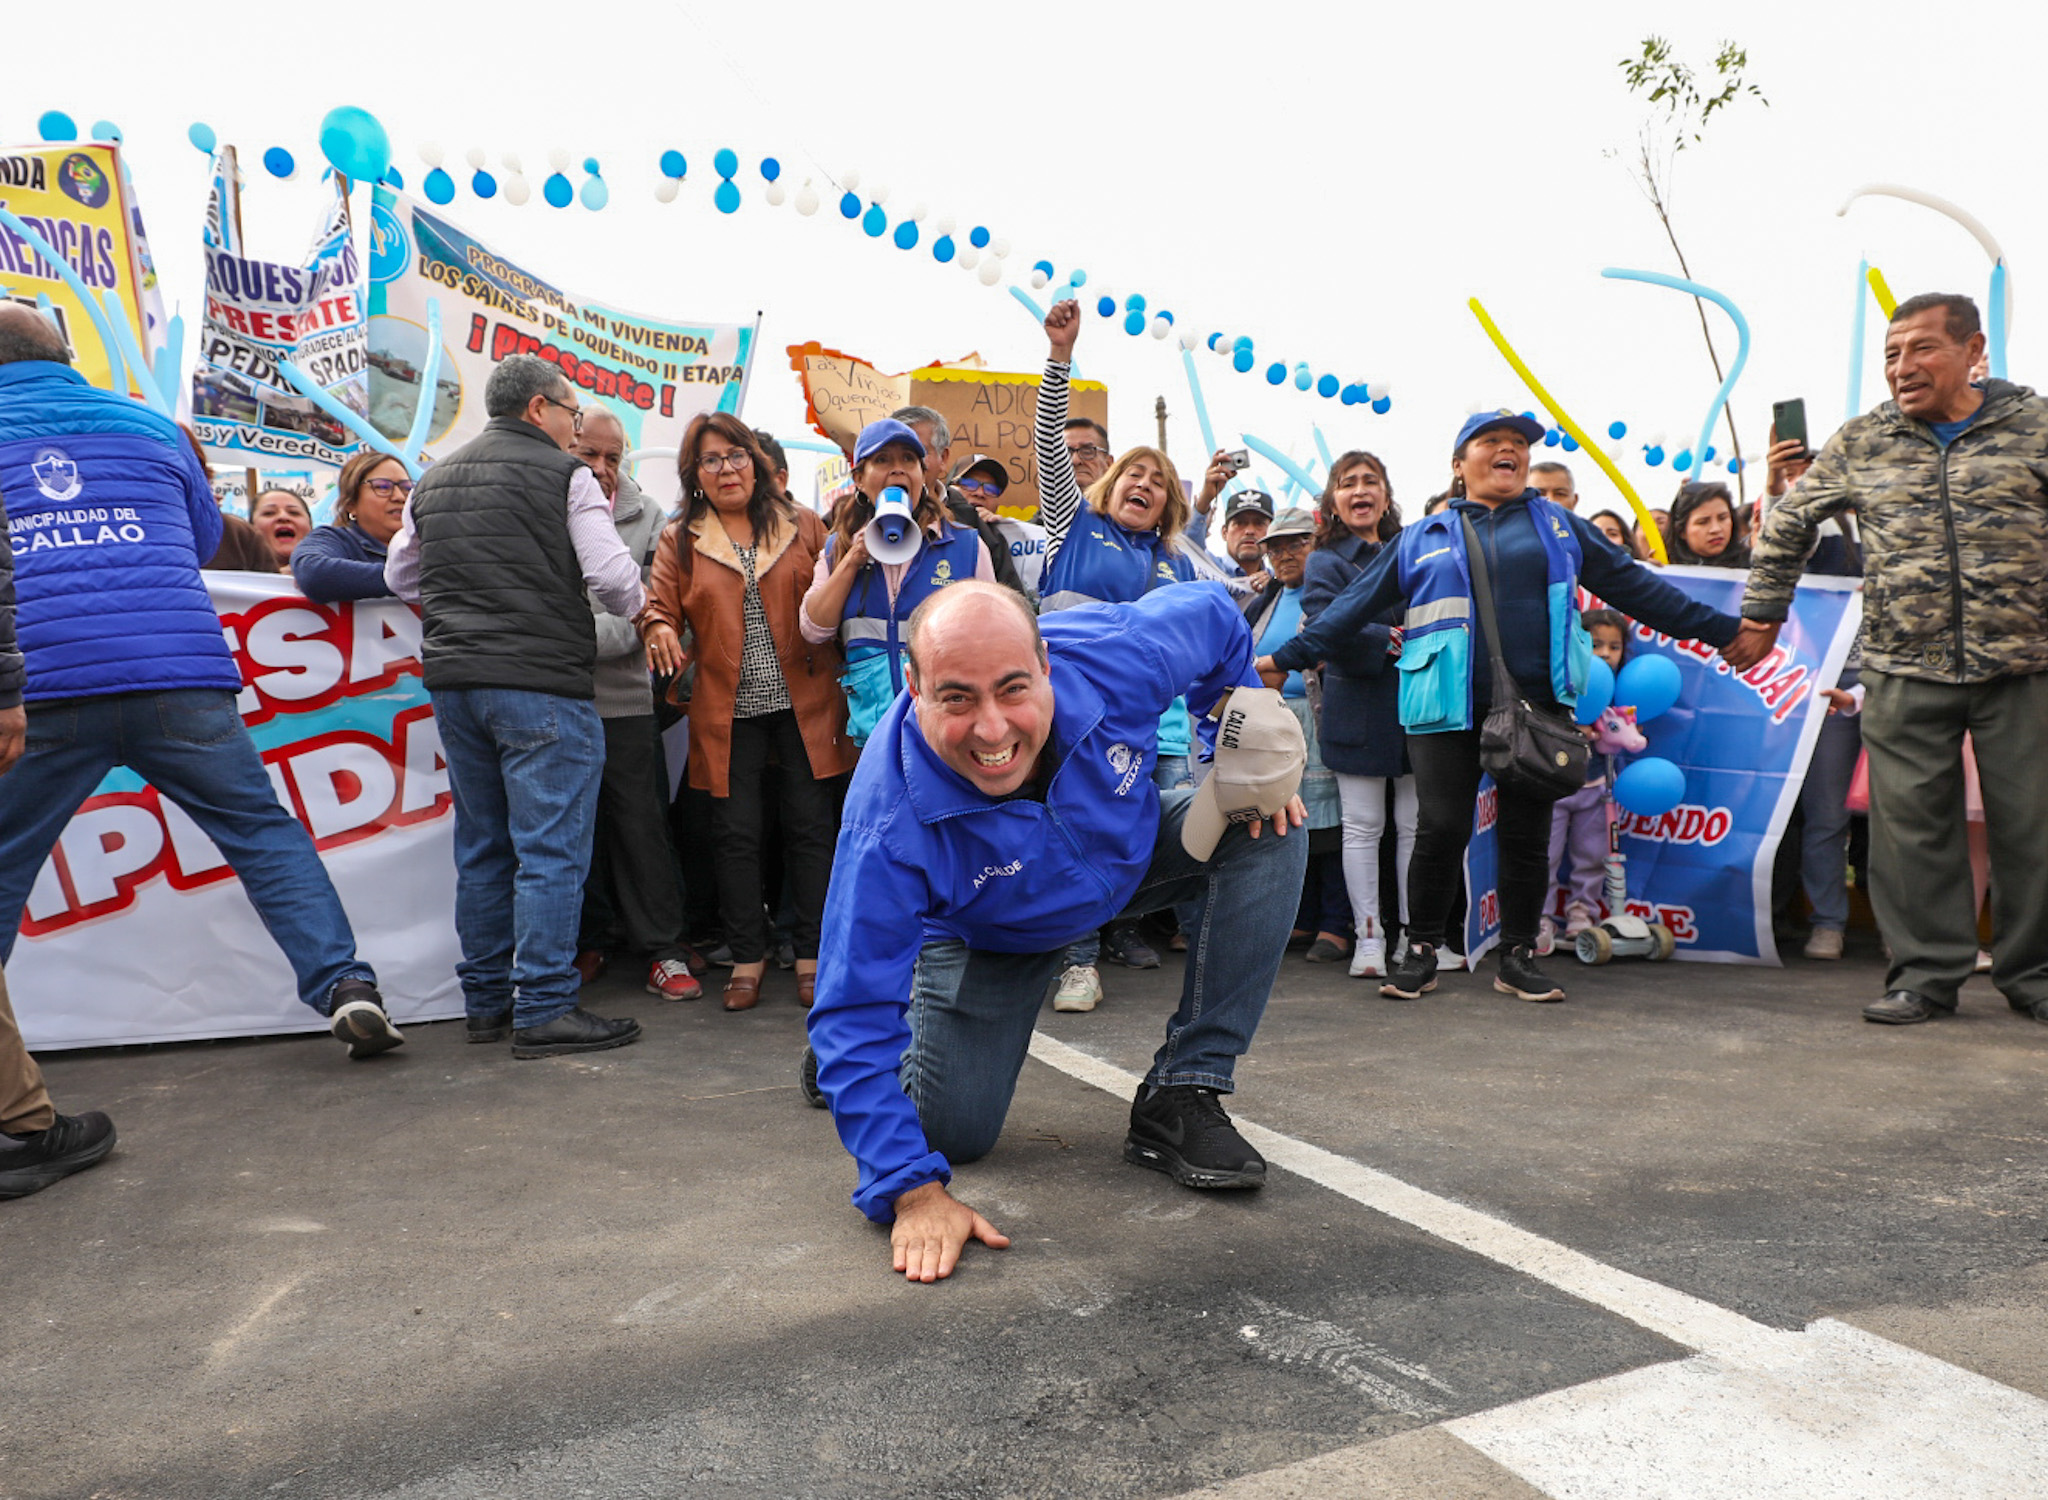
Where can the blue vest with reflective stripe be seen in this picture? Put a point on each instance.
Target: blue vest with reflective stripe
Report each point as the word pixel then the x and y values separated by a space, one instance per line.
pixel 872 630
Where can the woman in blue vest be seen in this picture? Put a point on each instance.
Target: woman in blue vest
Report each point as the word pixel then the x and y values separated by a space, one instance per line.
pixel 1125 537
pixel 868 604
pixel 1536 554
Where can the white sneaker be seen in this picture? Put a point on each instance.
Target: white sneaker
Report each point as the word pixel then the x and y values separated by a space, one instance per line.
pixel 1448 961
pixel 1824 942
pixel 1546 938
pixel 1370 958
pixel 1983 961
pixel 1080 989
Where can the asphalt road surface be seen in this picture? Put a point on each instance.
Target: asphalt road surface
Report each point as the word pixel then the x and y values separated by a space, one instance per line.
pixel 1698 1232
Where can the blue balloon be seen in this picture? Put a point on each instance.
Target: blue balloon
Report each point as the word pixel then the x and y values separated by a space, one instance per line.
pixel 395 178
pixel 557 191
pixel 849 205
pixel 1599 693
pixel 979 237
pixel 1617 430
pixel 1043 265
pixel 595 194
pixel 1134 303
pixel 1653 455
pixel 1304 377
pixel 1276 373
pixel 726 163
pixel 1384 405
pixel 590 165
pixel 674 164
pixel 1160 312
pixel 1734 466
pixel 55 125
pixel 1709 455
pixel 1105 307
pixel 106 130
pixel 1079 278
pixel 1683 460
pixel 770 168
pixel 1569 443
pixel 874 221
pixel 439 186
pixel 1327 386
pixel 201 135
pixel 1241 361
pixel 1351 395
pixel 1649 685
pixel 1650 787
pixel 1210 342
pixel 906 235
pixel 278 163
pixel 727 198
pixel 483 184
pixel 354 143
pixel 942 248
pixel 1550 437
pixel 1134 323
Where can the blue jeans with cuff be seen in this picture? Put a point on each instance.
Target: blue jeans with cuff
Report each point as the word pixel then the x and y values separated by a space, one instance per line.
pixel 525 770
pixel 972 1011
pixel 190 745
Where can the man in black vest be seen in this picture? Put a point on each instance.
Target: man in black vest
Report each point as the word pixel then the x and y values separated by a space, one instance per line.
pixel 500 540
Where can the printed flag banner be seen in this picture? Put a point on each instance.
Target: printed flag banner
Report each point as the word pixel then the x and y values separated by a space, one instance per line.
pixel 654 374
pixel 136 930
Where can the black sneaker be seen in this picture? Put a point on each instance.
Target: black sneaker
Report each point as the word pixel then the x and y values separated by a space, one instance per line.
pixel 30 1163
pixel 1123 943
pixel 490 1028
pixel 1184 1132
pixel 358 1018
pixel 785 953
pixel 807 1080
pixel 1905 1008
pixel 1414 976
pixel 2038 1010
pixel 1520 977
pixel 574 1030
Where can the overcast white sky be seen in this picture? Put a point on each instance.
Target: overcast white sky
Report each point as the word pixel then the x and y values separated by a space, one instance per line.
pixel 1333 180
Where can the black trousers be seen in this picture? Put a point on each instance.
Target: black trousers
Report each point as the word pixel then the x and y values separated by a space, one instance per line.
pixel 1446 791
pixel 633 897
pixel 810 823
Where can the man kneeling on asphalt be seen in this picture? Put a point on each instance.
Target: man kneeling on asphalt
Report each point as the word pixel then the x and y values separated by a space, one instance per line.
pixel 1004 806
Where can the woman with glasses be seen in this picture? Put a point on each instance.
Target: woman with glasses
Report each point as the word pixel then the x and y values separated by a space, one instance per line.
pixel 733 569
pixel 346 560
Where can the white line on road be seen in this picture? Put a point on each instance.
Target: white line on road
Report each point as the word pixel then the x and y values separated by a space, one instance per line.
pixel 1758 1412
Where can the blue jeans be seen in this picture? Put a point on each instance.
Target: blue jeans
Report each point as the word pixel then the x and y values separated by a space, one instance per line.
pixel 1169 773
pixel 190 745
pixel 525 770
pixel 971 1011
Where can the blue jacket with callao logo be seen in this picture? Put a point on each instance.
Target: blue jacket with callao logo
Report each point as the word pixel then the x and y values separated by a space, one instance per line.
pixel 108 518
pixel 924 855
pixel 871 632
pixel 1537 554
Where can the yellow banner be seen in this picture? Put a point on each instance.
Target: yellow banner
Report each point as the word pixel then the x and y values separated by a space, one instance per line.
pixel 71 193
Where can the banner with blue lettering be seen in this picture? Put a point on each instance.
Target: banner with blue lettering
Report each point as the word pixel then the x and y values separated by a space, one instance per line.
pixel 1743 741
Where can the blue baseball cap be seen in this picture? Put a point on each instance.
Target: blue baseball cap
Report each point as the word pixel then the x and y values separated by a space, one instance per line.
pixel 878 435
pixel 1486 421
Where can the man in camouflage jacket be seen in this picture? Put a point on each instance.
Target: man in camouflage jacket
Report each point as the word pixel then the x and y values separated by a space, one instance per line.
pixel 1949 481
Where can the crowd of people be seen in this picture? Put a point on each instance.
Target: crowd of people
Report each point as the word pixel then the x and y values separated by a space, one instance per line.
pixel 1049 747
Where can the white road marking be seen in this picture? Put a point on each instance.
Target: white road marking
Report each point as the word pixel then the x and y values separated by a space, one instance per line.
pixel 1758 1412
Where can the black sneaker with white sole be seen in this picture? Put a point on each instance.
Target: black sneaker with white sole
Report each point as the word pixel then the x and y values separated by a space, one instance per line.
pixel 1414 976
pixel 1183 1131
pixel 30 1163
pixel 358 1019
pixel 1520 977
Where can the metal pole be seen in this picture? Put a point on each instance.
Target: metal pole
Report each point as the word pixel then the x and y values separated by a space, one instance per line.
pixel 1159 411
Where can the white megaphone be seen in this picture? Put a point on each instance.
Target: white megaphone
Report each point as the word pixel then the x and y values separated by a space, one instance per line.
pixel 892 535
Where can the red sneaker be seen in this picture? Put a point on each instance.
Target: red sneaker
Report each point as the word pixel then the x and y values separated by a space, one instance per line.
pixel 670 978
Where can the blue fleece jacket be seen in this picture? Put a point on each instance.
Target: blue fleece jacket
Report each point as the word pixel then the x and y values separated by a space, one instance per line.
pixel 109 516
pixel 333 564
pixel 924 855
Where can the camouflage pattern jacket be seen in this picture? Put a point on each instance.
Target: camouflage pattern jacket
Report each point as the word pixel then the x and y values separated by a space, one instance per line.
pixel 1955 540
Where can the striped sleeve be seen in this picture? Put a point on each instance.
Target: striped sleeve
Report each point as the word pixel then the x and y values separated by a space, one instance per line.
pixel 1059 497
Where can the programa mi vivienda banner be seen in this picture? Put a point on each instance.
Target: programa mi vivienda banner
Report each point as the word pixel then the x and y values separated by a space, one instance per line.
pixel 137 931
pixel 1743 741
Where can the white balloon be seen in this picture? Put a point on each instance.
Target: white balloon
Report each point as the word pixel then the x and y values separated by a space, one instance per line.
pixel 665 190
pixel 849 181
pixel 476 158
pixel 1190 339
pixel 807 199
pixel 1383 392
pixel 1161 328
pixel 1373 392
pixel 510 161
pixel 1039 279
pixel 968 256
pixel 430 153
pixel 999 249
pixel 991 272
pixel 516 190
pixel 559 159
pixel 879 193
pixel 917 214
pixel 944 226
pixel 775 195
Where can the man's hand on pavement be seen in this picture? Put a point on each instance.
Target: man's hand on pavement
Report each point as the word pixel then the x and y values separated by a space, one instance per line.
pixel 932 1228
pixel 1751 644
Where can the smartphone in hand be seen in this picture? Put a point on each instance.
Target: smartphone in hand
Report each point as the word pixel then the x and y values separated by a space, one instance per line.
pixel 1788 420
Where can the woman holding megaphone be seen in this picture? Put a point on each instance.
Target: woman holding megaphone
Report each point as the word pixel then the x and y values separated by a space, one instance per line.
pixel 888 553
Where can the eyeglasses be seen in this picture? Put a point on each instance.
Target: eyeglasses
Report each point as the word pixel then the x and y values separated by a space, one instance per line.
pixel 986 487
pixel 734 459
pixel 575 412
pixel 1087 450
pixel 389 487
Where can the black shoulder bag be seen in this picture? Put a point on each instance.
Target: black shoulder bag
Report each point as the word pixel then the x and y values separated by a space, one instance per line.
pixel 1527 750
